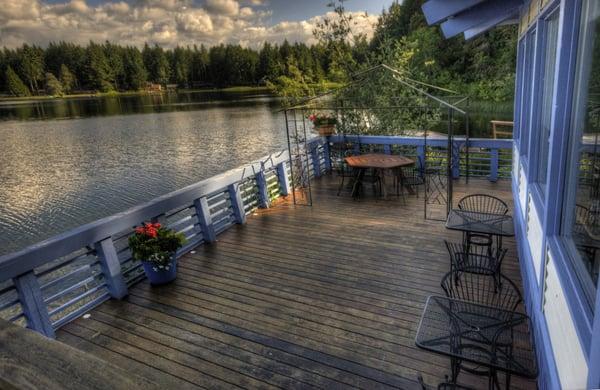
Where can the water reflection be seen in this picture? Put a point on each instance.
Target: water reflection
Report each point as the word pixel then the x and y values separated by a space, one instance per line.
pixel 59 174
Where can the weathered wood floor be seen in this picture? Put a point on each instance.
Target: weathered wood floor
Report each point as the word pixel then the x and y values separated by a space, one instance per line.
pixel 326 297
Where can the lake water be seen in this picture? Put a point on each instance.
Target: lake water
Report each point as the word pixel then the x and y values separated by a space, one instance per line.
pixel 68 162
pixel 59 174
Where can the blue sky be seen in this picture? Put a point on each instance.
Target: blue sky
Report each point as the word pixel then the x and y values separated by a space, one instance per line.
pixel 305 9
pixel 172 22
pixel 293 9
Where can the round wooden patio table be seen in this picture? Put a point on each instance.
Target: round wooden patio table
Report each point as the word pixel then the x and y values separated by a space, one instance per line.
pixel 380 162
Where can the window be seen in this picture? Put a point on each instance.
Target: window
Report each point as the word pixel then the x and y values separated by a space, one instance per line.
pixel 525 121
pixel 547 93
pixel 581 212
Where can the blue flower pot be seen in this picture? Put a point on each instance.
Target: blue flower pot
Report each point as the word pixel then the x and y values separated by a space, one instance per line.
pixel 158 276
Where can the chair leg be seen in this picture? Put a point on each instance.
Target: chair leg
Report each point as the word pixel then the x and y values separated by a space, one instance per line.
pixel 341 186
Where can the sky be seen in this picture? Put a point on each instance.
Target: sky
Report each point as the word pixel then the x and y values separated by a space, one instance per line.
pixel 172 22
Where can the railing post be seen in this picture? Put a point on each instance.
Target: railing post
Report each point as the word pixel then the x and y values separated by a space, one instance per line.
pixel 263 191
pixel 32 302
pixel 284 180
pixel 357 148
pixel 237 204
pixel 111 268
pixel 326 155
pixel 493 165
pixel 314 154
pixel 421 156
pixel 387 149
pixel 455 160
pixel 205 219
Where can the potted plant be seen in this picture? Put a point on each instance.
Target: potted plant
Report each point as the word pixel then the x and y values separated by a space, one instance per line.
pixel 324 124
pixel 155 246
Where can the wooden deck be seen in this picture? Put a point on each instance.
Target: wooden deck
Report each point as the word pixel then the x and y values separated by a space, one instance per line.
pixel 326 297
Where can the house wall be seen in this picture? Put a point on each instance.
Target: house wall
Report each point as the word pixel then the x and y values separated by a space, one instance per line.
pixel 566 331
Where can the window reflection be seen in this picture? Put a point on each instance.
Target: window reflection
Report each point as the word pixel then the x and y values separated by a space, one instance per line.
pixel 583 191
pixel 551 25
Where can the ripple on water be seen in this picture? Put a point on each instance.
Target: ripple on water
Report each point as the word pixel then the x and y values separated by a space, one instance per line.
pixel 57 175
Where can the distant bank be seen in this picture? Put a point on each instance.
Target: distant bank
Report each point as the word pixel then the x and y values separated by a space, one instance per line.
pixel 248 89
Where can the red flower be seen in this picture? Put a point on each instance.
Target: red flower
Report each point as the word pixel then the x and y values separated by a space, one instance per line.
pixel 312 117
pixel 140 230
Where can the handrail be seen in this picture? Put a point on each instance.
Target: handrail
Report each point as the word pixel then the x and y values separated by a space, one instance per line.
pixel 53 282
pixel 50 283
pixel 14 264
pixel 493 160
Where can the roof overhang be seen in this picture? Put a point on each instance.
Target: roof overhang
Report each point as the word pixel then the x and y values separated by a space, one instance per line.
pixel 470 17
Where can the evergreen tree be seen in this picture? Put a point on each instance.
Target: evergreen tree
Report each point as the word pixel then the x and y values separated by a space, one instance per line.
pixel 181 67
pixel 114 59
pixel 135 73
pixel 53 86
pixel 15 86
pixel 199 65
pixel 97 68
pixel 67 79
pixel 31 65
pixel 156 63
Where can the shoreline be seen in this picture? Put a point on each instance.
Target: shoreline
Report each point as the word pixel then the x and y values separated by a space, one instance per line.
pixel 235 89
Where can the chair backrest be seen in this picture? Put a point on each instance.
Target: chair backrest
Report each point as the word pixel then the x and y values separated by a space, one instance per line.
pixel 478 258
pixel 482 289
pixel 582 215
pixel 482 203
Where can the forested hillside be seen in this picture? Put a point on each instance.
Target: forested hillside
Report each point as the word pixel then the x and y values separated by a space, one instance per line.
pixel 483 67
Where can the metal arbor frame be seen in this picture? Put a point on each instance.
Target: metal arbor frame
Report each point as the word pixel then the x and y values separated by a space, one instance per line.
pixel 339 105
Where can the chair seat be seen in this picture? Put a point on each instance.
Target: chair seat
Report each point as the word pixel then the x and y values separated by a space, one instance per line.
pixel 480 239
pixel 481 263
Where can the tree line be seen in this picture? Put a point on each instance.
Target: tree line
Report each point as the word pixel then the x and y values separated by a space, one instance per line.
pixel 483 67
pixel 64 67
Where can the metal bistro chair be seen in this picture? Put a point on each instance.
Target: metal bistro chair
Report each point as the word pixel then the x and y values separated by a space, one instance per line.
pixel 481 289
pixel 583 241
pixel 342 170
pixel 412 177
pixel 482 203
pixel 370 176
pixel 476 259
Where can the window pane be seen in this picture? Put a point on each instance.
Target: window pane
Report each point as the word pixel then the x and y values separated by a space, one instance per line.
pixel 527 87
pixel 582 209
pixel 547 94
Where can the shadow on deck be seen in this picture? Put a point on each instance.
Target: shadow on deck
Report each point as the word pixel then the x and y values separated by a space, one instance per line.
pixel 327 296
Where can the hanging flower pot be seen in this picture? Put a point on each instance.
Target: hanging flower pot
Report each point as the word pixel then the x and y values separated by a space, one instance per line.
pixel 155 246
pixel 324 124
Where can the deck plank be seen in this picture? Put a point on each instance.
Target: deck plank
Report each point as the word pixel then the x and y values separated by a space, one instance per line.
pixel 325 297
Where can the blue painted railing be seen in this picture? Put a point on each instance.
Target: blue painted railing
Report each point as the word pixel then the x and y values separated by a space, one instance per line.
pixel 50 283
pixel 491 158
pixel 53 282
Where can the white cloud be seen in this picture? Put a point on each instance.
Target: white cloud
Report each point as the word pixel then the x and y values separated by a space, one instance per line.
pixel 223 7
pixel 166 22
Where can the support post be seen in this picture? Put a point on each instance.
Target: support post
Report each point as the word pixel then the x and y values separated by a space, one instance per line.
pixel 111 268
pixel 387 149
pixel 421 157
pixel 327 154
pixel 237 204
pixel 284 180
pixel 455 160
pixel 314 153
pixel 205 220
pixel 357 148
pixel 493 165
pixel 32 302
pixel 263 192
